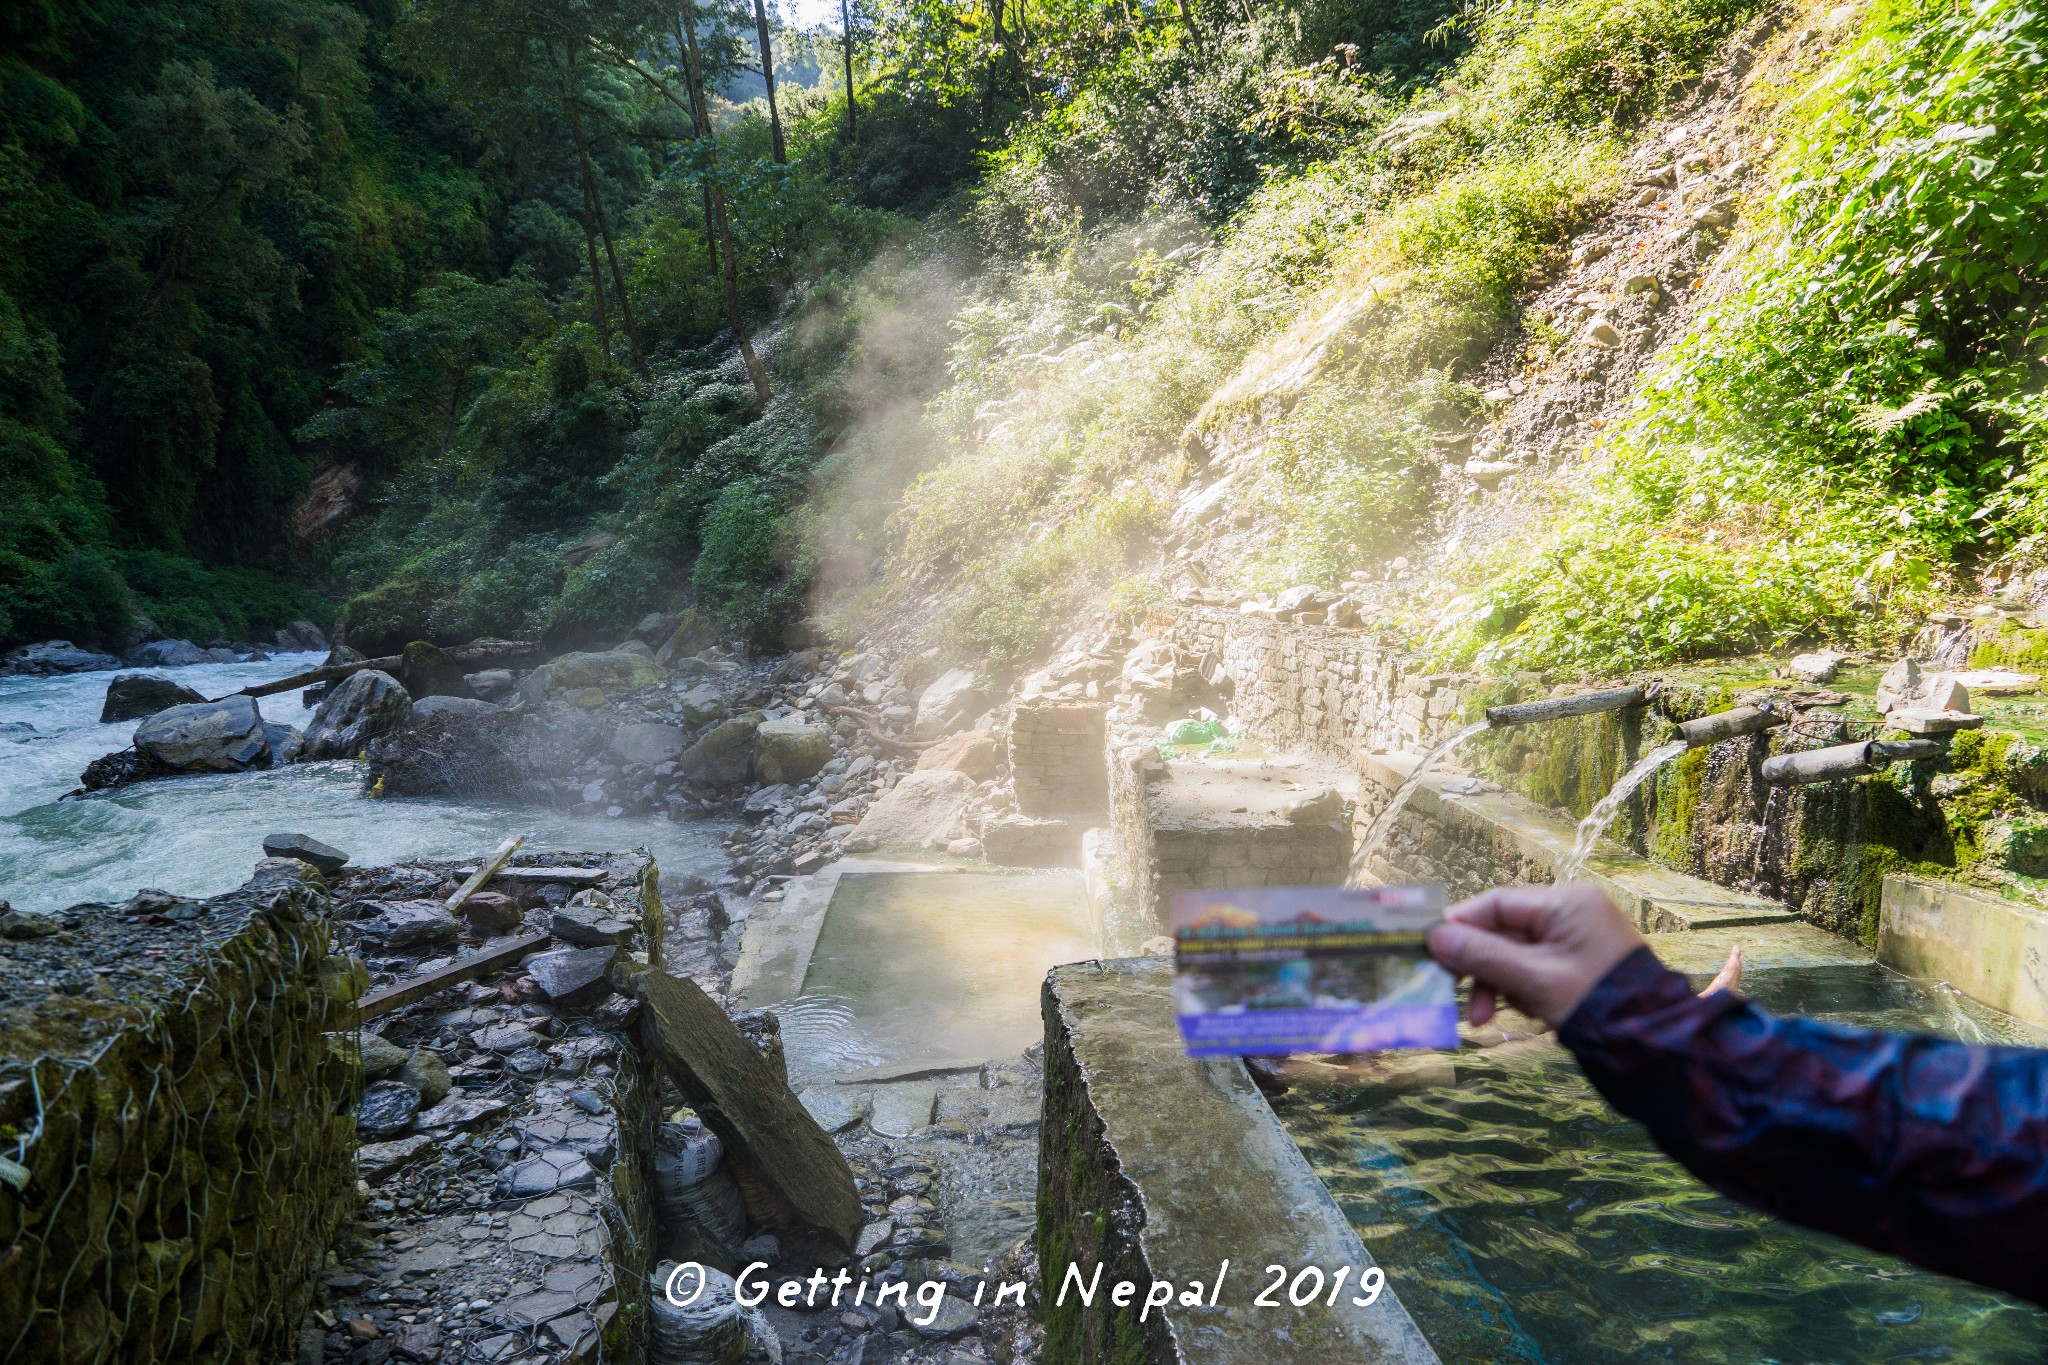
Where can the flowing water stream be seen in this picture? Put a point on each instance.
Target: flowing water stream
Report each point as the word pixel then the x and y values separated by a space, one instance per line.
pixel 1595 824
pixel 1383 823
pixel 200 835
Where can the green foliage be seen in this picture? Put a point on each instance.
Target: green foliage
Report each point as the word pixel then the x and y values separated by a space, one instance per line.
pixel 1860 415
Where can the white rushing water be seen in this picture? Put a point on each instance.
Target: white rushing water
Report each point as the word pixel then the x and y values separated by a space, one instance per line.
pixel 1383 824
pixel 201 835
pixel 1596 822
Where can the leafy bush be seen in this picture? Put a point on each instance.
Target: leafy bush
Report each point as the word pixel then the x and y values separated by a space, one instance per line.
pixel 1861 416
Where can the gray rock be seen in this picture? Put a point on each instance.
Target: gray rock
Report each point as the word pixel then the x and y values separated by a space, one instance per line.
pixel 592 920
pixel 835 1108
pixel 724 755
pixel 924 808
pixel 306 849
pixel 380 1058
pixel 617 668
pixel 22 925
pixel 528 1062
pixel 767 800
pixel 955 1317
pixel 573 976
pixel 375 1160
pixel 504 1038
pixel 168 654
pixel 17 730
pixel 646 744
pixel 492 684
pixel 458 1111
pixel 388 1109
pixel 55 656
pixel 1815 668
pixel 131 696
pixel 874 1237
pixel 902 1109
pixel 224 736
pixel 407 924
pixel 427 707
pixel 287 745
pixel 361 708
pixel 790 750
pixel 702 704
pixel 425 1072
pixel 546 1172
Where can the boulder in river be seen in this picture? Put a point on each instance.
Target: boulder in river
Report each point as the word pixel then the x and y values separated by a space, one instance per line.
pixel 790 750
pixel 306 849
pixel 168 654
pixel 647 744
pixel 302 636
pixel 429 671
pixel 226 736
pixel 440 704
pixel 724 755
pixel 618 668
pixel 363 707
pixel 131 696
pixel 55 656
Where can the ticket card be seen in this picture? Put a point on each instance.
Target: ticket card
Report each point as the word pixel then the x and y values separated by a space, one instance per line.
pixel 1310 969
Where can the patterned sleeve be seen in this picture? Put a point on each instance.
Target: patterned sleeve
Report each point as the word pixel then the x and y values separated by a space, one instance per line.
pixel 1930 1150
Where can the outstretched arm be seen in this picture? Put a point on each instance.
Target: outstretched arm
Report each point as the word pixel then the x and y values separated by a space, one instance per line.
pixel 1930 1150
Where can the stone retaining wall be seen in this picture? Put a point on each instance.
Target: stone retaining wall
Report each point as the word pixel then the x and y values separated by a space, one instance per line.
pixel 1056 753
pixel 177 1126
pixel 1316 689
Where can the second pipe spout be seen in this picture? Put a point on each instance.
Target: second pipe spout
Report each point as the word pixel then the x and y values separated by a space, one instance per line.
pixel 1740 720
pixel 1558 708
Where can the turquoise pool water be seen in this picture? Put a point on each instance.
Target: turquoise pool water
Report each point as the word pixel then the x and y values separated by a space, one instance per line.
pixel 1522 1220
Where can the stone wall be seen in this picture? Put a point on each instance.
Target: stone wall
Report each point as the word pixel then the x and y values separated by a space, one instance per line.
pixel 1155 1166
pixel 176 1126
pixel 1315 689
pixel 1056 751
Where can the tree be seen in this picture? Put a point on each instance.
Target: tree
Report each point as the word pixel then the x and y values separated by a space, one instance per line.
pixel 768 77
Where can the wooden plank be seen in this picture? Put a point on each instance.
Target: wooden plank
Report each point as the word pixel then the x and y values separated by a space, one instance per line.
pixel 498 858
pixel 761 1124
pixel 441 978
pixel 575 876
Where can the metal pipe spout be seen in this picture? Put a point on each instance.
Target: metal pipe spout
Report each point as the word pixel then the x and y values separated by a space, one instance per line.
pixel 1845 760
pixel 1561 708
pixel 1739 720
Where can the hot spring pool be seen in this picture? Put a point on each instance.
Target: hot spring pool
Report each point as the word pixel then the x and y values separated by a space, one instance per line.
pixel 1521 1220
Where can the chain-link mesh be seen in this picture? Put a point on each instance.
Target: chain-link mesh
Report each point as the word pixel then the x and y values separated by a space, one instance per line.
pixel 179 1171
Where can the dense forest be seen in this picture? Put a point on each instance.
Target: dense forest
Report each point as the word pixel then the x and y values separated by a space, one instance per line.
pixel 529 317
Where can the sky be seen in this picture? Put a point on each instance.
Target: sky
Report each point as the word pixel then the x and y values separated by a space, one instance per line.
pixel 810 13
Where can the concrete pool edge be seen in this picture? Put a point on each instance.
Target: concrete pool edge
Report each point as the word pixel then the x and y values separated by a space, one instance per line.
pixel 1154 1166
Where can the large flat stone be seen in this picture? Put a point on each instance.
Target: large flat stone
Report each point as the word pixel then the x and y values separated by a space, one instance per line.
pixel 1156 1166
pixel 761 1124
pixel 903 1108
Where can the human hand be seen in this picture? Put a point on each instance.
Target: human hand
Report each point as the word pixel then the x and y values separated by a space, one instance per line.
pixel 1542 947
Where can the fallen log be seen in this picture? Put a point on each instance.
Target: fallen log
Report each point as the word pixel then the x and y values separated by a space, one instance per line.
pixel 573 876
pixel 441 978
pixel 503 650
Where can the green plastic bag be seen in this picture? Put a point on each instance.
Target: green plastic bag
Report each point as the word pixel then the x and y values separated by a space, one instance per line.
pixel 1195 732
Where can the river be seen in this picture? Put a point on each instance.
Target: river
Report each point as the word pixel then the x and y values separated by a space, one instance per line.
pixel 201 835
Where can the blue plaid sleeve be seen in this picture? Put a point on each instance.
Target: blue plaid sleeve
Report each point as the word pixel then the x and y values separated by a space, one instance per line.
pixel 1930 1150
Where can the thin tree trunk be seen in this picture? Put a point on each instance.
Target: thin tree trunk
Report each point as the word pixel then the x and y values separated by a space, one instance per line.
pixel 988 91
pixel 604 230
pixel 768 76
pixel 604 322
pixel 700 115
pixel 846 37
pixel 710 231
